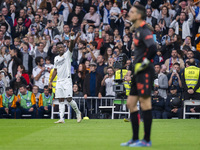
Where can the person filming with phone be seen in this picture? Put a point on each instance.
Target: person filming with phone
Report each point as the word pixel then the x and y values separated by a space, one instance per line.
pixel 174 78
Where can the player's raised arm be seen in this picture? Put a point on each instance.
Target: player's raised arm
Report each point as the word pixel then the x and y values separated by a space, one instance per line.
pixel 73 40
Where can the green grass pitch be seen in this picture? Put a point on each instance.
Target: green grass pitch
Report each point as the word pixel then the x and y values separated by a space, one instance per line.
pixel 99 134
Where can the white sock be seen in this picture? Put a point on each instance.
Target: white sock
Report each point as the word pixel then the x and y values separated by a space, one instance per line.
pixel 74 106
pixel 61 110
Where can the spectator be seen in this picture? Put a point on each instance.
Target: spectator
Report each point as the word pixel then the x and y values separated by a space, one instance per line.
pixel 181 25
pixel 114 14
pixel 51 30
pixel 8 103
pixel 80 102
pixel 35 90
pixel 78 55
pixel 16 82
pixel 6 16
pixel 92 86
pixel 20 30
pixel 149 19
pixel 48 66
pixel 174 78
pixel 108 54
pixel 80 76
pixel 67 8
pixel 37 23
pixel 105 11
pixel 172 110
pixel 58 22
pixel 190 55
pixel 45 103
pixel 21 72
pixel 165 15
pixel 100 65
pixel 191 81
pixel 188 42
pixel 92 17
pixel 173 59
pixel 78 12
pixel 39 52
pixel 27 60
pixel 93 53
pixel 158 104
pixel 74 25
pixel 4 57
pixel 161 83
pixel 26 103
pixel 13 63
pixel 52 53
pixel 26 20
pixel 38 73
pixel 108 82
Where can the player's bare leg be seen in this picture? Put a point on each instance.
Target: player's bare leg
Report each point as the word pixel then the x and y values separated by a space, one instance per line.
pixel 61 110
pixel 75 108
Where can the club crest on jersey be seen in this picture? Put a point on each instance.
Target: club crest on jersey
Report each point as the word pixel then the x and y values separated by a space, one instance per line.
pixel 138 34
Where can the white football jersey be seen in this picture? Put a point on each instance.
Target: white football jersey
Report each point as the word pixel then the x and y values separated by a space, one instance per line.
pixel 63 66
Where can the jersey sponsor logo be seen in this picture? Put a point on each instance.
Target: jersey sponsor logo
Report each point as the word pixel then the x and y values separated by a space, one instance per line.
pixel 149 37
pixel 59 63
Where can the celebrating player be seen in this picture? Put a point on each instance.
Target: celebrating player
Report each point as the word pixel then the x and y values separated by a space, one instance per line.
pixel 142 80
pixel 62 68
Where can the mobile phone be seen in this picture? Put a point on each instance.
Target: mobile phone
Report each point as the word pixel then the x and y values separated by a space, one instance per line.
pixel 49 21
pixel 117 41
pixel 88 46
pixel 174 70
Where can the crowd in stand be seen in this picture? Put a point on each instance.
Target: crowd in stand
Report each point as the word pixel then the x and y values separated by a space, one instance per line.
pixel 30 29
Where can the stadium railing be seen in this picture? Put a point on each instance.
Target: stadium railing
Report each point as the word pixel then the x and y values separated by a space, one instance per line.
pixel 190 103
pixel 96 104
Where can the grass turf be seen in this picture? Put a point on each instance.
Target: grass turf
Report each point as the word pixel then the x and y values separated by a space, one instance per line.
pixel 43 134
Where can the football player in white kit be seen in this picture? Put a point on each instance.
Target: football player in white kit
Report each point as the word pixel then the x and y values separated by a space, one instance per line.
pixel 62 68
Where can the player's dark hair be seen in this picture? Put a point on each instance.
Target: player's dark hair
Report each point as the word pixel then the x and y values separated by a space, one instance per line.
pixel 141 10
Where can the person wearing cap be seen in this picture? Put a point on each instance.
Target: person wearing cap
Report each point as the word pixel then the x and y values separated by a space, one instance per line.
pixel 158 104
pixel 171 110
pixel 191 81
pixel 92 87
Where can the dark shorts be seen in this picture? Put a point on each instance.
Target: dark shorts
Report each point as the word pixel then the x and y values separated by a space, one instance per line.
pixel 142 83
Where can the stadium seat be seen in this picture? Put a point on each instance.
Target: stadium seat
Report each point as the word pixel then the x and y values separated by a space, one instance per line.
pixel 190 103
pixel 56 102
pixel 120 111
